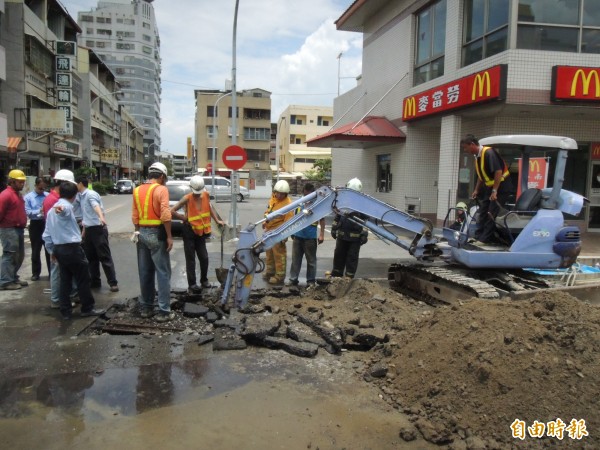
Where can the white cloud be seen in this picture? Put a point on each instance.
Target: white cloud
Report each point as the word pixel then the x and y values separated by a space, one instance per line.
pixel 287 48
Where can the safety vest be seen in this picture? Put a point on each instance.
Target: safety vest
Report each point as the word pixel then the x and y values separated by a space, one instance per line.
pixel 199 219
pixel 143 201
pixel 481 169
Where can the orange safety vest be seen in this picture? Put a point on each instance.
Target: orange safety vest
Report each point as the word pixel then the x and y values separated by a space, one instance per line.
pixel 199 219
pixel 481 169
pixel 143 202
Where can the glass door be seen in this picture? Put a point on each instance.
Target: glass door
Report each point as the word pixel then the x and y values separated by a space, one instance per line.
pixel 594 217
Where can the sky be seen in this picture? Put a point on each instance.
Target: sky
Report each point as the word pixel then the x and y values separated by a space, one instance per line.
pixel 289 48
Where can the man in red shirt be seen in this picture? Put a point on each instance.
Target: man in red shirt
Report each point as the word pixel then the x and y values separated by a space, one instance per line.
pixel 13 221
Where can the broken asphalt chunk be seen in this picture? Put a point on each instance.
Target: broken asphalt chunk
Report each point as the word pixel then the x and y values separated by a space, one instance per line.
pixel 303 349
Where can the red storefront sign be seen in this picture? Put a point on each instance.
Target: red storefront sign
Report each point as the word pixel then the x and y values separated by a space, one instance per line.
pixel 575 83
pixel 538 174
pixel 484 86
pixel 595 150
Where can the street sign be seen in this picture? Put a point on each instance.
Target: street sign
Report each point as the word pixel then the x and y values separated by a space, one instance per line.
pixel 234 157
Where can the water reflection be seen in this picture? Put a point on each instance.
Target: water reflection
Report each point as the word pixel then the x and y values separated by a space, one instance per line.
pixel 127 391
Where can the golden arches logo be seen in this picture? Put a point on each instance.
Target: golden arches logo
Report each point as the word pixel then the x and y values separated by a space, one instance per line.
pixel 534 165
pixel 481 81
pixel 596 150
pixel 585 82
pixel 410 107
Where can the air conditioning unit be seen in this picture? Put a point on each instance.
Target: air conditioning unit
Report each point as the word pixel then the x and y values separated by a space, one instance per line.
pixel 257 165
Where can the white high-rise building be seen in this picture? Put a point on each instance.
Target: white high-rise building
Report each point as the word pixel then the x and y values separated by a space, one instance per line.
pixel 125 35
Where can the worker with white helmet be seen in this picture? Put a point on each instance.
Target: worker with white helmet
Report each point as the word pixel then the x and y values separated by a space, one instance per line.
pixel 196 229
pixel 276 256
pixel 349 237
pixel 151 217
pixel 63 175
pixel 13 221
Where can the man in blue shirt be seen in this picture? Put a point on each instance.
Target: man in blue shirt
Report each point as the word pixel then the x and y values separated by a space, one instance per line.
pixel 63 242
pixel 35 213
pixel 95 235
pixel 304 243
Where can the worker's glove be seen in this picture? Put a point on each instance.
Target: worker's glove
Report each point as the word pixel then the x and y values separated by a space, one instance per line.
pixel 363 239
pixel 334 234
pixel 135 236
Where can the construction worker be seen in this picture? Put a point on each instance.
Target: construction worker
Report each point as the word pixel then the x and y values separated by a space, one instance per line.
pixel 493 188
pixel 276 256
pixel 196 229
pixel 349 237
pixel 13 221
pixel 151 217
pixel 460 212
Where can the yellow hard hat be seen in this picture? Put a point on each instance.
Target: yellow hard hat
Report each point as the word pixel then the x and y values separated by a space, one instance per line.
pixel 17 174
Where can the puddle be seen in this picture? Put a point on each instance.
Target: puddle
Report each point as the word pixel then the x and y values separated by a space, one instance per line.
pixel 207 403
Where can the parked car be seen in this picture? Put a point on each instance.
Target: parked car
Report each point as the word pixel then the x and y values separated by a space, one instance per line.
pixel 124 187
pixel 177 189
pixel 222 189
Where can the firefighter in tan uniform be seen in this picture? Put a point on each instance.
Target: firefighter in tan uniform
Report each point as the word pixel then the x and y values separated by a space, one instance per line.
pixel 277 255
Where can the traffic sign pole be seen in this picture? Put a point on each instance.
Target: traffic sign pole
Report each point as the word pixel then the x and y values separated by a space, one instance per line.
pixel 234 157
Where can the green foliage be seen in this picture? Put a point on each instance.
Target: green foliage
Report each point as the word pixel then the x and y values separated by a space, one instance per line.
pixel 89 172
pixel 321 170
pixel 102 188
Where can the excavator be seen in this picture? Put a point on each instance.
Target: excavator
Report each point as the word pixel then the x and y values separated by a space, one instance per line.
pixel 449 264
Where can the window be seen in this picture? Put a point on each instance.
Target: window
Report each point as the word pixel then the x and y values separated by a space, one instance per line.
pixel 212 132
pixel 556 25
pixel 256 155
pixel 431 41
pixel 147 38
pixel 104 32
pixel 103 20
pixel 237 112
pixel 147 50
pixel 323 121
pixel 209 154
pixel 257 134
pixel 87 18
pixel 384 173
pixel 146 25
pixel 38 56
pixel 293 119
pixel 89 44
pixel 211 112
pixel 485 29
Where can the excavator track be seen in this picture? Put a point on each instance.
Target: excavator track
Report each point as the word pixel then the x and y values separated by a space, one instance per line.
pixel 447 283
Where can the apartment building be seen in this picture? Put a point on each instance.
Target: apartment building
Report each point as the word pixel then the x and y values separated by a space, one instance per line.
pixel 214 132
pixel 434 71
pixel 296 125
pixel 125 35
pixel 40 91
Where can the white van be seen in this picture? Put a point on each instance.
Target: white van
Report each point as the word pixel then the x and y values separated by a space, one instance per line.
pixel 222 189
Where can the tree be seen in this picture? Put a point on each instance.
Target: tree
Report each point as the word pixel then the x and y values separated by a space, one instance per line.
pixel 321 170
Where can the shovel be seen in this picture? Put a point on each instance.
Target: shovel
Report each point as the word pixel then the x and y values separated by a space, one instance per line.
pixel 221 272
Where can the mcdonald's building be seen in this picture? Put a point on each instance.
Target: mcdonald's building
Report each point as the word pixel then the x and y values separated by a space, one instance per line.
pixel 434 71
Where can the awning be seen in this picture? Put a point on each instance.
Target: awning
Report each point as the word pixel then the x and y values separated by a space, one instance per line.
pixel 324 153
pixel 369 132
pixel 13 143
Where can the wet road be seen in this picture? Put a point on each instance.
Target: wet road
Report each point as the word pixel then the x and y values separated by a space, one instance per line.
pixel 60 389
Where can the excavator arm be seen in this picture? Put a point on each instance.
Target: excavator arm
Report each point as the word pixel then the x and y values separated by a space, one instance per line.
pixel 382 219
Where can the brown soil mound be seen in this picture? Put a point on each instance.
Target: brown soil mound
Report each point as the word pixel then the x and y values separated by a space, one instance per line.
pixel 466 372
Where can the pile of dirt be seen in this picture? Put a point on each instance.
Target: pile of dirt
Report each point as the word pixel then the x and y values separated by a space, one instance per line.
pixel 465 372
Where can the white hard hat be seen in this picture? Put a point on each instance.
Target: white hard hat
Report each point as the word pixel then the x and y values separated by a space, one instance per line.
pixel 158 168
pixel 355 184
pixel 65 175
pixel 197 184
pixel 461 205
pixel 282 186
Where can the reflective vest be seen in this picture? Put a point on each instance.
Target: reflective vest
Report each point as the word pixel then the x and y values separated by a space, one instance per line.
pixel 481 169
pixel 199 219
pixel 143 202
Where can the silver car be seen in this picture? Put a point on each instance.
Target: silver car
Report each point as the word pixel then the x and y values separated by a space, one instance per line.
pixel 221 191
pixel 177 189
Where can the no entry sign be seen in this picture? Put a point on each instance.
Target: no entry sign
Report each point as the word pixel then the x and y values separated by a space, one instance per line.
pixel 234 157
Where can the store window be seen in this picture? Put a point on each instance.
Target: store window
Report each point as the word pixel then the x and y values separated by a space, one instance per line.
pixel 558 25
pixel 431 42
pixel 384 173
pixel 485 29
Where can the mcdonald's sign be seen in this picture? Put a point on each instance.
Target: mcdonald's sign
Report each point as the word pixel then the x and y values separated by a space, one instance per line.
pixel 484 86
pixel 538 174
pixel 572 83
pixel 595 150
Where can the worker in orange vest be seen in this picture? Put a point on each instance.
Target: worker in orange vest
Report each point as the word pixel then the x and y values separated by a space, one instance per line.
pixel 151 217
pixel 196 229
